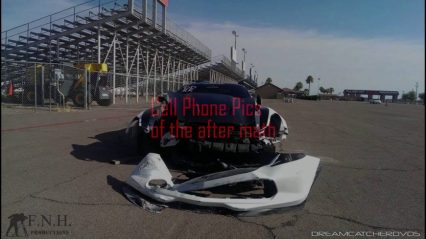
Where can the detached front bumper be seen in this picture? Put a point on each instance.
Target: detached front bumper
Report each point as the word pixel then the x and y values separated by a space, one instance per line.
pixel 292 181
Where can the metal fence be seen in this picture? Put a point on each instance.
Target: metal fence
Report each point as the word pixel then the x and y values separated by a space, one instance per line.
pixel 38 84
pixel 131 88
pixel 57 86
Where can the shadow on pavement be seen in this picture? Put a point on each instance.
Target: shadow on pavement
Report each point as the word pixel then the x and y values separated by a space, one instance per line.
pixel 116 184
pixel 113 145
pixel 116 145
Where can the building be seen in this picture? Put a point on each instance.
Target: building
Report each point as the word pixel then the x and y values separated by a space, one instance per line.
pixel 268 91
pixel 286 92
pixel 329 97
pixel 358 94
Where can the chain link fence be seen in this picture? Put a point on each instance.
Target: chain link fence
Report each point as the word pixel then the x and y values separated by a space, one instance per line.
pixel 41 85
pixel 63 86
pixel 133 89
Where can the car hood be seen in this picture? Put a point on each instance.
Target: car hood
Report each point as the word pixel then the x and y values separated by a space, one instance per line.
pixel 237 110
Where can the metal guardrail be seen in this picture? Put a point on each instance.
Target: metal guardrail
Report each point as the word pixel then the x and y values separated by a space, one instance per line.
pixel 178 32
pixel 174 30
pixel 232 65
pixel 66 14
pixel 223 60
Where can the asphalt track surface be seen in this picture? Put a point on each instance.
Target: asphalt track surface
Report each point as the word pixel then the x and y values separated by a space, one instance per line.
pixel 371 179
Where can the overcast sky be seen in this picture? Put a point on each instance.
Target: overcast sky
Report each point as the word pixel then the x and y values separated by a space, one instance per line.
pixel 351 44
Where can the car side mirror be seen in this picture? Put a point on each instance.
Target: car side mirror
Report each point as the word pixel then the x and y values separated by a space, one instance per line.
pixel 258 100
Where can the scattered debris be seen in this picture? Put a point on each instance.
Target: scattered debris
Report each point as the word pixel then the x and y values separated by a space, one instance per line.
pixel 137 200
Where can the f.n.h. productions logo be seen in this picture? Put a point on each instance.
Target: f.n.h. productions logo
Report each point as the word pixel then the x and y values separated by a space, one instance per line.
pixel 21 225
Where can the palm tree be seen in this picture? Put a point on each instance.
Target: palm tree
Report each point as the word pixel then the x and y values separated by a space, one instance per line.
pixel 298 86
pixel 309 80
pixel 410 96
pixel 268 80
pixel 331 90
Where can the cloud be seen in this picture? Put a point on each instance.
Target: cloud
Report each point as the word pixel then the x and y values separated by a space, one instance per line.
pixel 289 56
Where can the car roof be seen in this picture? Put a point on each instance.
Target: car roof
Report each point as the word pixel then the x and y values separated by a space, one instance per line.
pixel 214 84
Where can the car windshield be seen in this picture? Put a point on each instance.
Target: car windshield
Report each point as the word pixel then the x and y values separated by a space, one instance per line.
pixel 224 89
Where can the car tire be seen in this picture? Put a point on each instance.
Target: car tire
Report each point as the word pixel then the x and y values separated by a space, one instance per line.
pixel 107 102
pixel 78 98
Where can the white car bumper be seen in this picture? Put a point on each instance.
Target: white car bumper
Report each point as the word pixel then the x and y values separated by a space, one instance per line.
pixel 293 181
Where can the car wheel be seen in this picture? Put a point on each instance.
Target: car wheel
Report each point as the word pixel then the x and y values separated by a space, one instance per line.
pixel 107 102
pixel 78 99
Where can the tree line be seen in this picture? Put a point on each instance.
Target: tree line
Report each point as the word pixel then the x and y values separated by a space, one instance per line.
pixel 409 96
pixel 309 80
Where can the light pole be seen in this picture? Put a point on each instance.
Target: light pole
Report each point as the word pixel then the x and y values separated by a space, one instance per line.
pixel 243 64
pixel 251 69
pixel 235 38
pixel 318 88
pixel 417 86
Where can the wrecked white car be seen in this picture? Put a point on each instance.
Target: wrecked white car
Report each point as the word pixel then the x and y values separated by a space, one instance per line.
pixel 225 119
